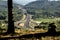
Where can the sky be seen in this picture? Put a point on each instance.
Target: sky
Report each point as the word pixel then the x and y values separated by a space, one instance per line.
pixel 23 2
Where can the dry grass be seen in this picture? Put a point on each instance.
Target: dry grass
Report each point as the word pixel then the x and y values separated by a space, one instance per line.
pixel 30 31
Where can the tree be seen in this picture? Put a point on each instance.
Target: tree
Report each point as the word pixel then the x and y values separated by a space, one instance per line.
pixel 10 18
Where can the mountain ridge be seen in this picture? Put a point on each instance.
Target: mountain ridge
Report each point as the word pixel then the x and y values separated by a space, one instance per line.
pixel 44 9
pixel 43 4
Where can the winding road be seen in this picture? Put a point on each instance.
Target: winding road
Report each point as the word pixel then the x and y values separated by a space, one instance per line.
pixel 26 19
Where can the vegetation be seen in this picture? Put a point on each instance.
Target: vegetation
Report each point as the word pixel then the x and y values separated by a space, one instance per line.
pixel 44 14
pixel 4 11
pixel 43 9
pixel 41 15
pixel 44 5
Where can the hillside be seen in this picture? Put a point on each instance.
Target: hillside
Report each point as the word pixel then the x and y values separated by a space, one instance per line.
pixel 4 11
pixel 44 9
pixel 44 5
pixel 39 9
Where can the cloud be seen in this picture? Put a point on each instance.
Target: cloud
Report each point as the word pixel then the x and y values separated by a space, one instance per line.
pixel 21 1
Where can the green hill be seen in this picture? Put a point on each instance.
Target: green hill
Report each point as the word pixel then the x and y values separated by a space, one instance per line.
pixel 44 9
pixel 4 11
pixel 39 9
pixel 44 5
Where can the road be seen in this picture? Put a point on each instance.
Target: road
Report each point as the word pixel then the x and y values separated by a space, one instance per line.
pixel 26 19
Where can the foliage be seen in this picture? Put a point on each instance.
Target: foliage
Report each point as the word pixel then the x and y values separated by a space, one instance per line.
pixel 4 11
pixel 42 9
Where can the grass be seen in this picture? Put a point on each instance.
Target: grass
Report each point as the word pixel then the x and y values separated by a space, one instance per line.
pixel 50 21
pixel 44 20
pixel 47 20
pixel 22 32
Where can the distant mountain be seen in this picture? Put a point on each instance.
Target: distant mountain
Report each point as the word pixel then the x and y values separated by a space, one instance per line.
pixel 5 4
pixel 44 9
pixel 44 5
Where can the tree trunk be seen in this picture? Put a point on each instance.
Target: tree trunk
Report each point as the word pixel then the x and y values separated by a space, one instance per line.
pixel 10 18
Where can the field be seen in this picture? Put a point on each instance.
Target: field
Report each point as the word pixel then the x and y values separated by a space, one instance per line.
pixel 55 20
pixel 47 20
pixel 29 31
